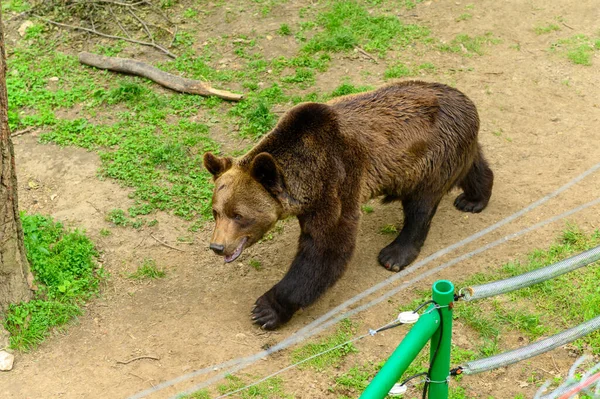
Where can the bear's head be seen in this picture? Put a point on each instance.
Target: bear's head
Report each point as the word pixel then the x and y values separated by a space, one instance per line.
pixel 245 202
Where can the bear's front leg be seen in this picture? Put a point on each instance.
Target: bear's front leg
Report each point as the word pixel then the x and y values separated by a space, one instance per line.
pixel 322 257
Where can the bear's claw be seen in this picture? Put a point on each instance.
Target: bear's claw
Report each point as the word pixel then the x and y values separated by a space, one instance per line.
pixel 265 315
pixel 396 257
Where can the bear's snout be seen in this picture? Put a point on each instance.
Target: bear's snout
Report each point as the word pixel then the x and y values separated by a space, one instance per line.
pixel 217 248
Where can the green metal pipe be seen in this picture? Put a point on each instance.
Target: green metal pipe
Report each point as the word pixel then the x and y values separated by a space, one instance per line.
pixel 443 295
pixel 403 356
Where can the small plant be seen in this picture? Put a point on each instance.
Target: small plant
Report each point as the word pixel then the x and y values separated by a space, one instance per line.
pixel 105 232
pixel 398 70
pixel 117 217
pixel 544 29
pixel 367 209
pixel 190 13
pixel 284 30
pixel 255 264
pixel 147 270
pixel 464 17
pixel 468 45
pixel 271 388
pixel 389 229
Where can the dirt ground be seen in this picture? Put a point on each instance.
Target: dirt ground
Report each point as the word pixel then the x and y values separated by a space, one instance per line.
pixel 198 316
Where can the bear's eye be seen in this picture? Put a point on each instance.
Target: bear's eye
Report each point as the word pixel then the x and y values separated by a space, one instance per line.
pixel 237 217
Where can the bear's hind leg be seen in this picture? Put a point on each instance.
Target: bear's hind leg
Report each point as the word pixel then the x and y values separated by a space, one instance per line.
pixel 418 213
pixel 477 187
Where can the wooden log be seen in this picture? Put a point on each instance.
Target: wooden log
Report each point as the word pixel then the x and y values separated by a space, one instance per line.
pixel 173 82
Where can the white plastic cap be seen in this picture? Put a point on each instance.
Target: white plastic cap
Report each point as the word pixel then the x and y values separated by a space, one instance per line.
pixel 398 389
pixel 408 317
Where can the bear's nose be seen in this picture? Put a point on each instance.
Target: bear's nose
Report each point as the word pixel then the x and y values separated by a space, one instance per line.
pixel 217 248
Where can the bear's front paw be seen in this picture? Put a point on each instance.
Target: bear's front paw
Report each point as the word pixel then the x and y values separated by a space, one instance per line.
pixel 396 257
pixel 269 313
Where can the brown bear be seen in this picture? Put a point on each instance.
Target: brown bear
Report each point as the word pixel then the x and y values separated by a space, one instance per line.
pixel 409 141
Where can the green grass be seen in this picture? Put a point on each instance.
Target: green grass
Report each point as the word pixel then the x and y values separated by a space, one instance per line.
pixel 105 232
pixel 545 29
pixel 469 46
pixel 202 394
pixel 284 30
pixel 255 264
pixel 400 70
pixel 389 229
pixel 148 270
pixel 329 359
pixel 464 17
pixel 367 209
pixel 348 24
pixel 579 49
pixel 63 263
pixel 269 389
pixel 15 6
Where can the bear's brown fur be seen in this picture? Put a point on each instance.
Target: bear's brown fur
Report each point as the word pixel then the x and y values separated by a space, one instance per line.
pixel 410 141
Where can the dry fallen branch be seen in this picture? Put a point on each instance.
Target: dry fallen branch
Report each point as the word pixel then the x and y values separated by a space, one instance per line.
pixel 95 32
pixel 137 358
pixel 166 245
pixel 363 52
pixel 177 83
pixel 22 132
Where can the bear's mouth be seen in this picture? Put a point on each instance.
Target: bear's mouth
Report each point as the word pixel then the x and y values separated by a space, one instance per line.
pixel 237 252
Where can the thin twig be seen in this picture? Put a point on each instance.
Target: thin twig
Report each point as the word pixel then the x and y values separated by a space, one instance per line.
pixel 22 132
pixel 159 12
pixel 363 52
pixel 156 46
pixel 94 206
pixel 117 3
pixel 555 365
pixel 143 25
pixel 140 243
pixel 570 27
pixel 165 244
pixel 174 37
pixel 118 22
pixel 137 358
pixel 19 15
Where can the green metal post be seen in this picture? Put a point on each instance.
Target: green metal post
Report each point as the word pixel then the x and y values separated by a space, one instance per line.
pixel 405 353
pixel 443 295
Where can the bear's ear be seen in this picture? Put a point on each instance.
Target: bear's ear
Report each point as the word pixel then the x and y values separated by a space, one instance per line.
pixel 215 165
pixel 264 170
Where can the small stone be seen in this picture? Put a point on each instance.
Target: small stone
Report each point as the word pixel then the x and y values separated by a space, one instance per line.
pixel 24 26
pixel 53 79
pixel 269 37
pixel 6 361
